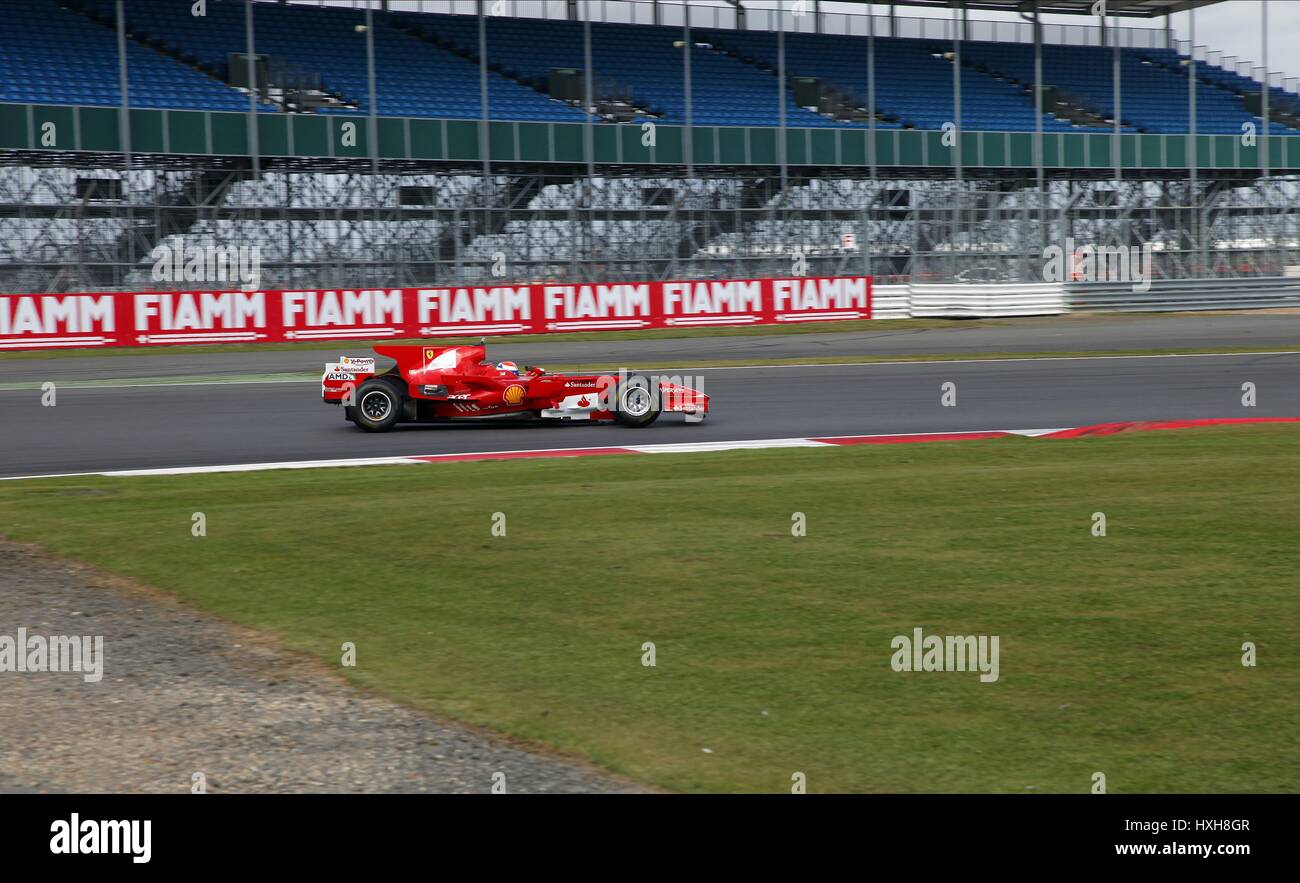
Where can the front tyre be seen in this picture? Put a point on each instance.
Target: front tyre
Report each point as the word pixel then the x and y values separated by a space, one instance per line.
pixel 636 404
pixel 378 406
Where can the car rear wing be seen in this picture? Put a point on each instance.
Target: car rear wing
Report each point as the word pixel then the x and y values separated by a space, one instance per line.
pixel 344 375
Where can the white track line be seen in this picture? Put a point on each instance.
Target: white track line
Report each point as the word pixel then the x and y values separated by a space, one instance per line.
pixel 701 447
pixel 236 467
pixel 235 381
pixel 829 441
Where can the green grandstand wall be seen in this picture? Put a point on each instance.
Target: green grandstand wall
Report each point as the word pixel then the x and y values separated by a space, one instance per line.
pixel 213 133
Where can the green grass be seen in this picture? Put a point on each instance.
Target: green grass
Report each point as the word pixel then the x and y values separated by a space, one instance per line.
pixel 1119 654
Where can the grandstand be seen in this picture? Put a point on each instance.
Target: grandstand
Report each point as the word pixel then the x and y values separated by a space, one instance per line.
pixel 413 143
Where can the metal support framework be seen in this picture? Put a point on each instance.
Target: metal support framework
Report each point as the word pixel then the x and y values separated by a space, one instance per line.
pixel 1267 120
pixel 373 221
pixel 484 126
pixel 588 136
pixel 871 91
pixel 781 143
pixel 1193 184
pixel 250 52
pixel 588 94
pixel 1116 144
pixel 372 115
pixel 688 145
pixel 1038 127
pixel 124 109
pixel 485 108
pixel 350 229
pixel 958 26
pixel 127 242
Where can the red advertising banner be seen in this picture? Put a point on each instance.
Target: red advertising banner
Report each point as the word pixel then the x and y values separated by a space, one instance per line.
pixel 153 318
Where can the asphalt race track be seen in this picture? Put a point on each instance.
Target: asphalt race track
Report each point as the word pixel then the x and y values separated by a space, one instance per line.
pixel 1061 334
pixel 163 426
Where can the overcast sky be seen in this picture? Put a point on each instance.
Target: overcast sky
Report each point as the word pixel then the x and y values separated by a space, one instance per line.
pixel 1232 26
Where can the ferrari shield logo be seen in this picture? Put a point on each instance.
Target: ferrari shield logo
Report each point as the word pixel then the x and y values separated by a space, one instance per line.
pixel 429 354
pixel 513 395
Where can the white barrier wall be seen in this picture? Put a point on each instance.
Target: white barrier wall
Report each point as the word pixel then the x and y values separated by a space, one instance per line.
pixel 890 302
pixel 1047 299
pixel 1001 299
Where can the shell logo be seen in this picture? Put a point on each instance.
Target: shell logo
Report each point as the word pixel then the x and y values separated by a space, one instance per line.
pixel 513 395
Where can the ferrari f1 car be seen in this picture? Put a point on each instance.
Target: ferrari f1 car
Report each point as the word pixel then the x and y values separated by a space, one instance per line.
pixel 436 383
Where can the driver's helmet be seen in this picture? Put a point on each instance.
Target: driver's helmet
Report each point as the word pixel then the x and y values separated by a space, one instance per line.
pixel 508 367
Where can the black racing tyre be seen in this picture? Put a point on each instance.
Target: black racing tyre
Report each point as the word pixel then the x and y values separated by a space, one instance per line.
pixel 636 404
pixel 378 406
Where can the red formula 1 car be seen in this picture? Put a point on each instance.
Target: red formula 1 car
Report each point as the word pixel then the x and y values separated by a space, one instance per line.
pixel 435 383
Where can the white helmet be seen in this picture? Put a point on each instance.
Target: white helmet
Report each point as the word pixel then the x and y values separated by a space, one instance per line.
pixel 510 367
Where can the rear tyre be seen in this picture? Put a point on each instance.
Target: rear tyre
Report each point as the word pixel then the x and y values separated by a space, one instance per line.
pixel 378 406
pixel 636 404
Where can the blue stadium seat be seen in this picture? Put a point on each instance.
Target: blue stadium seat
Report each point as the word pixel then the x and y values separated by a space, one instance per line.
pixel 51 55
pixel 426 66
pixel 413 78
